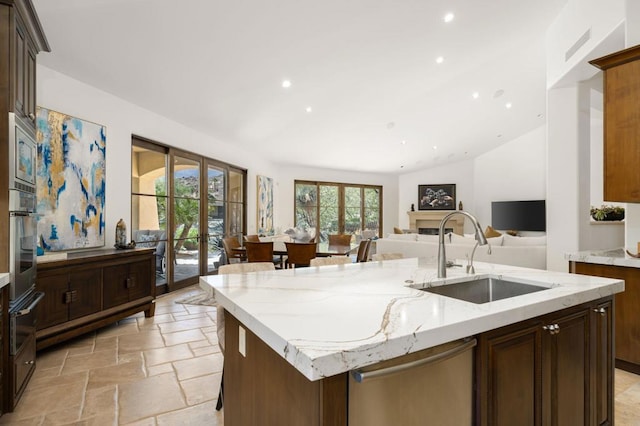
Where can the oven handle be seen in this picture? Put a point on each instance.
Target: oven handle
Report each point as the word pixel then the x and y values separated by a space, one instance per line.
pixel 28 309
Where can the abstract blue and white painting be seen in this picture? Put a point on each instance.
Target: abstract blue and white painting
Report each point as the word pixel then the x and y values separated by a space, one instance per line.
pixel 70 181
pixel 265 205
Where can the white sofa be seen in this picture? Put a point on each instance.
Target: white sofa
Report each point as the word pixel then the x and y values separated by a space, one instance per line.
pixel 529 252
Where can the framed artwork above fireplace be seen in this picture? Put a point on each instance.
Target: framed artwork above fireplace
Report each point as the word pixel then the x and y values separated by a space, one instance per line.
pixel 437 197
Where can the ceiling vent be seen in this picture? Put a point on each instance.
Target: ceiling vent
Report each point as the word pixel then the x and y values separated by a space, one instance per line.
pixel 578 44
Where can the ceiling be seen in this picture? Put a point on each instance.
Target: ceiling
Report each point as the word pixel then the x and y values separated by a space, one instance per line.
pixel 366 68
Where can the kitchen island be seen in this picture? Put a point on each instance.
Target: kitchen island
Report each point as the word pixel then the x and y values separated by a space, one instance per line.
pixel 312 326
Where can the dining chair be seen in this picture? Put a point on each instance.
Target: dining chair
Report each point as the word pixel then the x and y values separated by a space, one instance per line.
pixel 231 246
pixel 386 256
pixel 300 254
pixel 261 252
pixel 254 238
pixel 235 268
pixel 363 251
pixel 339 239
pixel 332 260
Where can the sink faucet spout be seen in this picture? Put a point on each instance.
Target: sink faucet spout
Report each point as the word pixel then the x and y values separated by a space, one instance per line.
pixel 442 258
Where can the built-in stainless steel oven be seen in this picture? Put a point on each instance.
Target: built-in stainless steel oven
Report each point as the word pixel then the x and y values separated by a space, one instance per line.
pixel 23 240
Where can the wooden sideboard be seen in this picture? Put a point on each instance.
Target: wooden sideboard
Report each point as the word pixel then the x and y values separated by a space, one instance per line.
pixel 92 289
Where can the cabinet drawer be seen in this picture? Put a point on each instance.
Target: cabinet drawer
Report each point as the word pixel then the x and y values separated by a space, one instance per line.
pixel 23 365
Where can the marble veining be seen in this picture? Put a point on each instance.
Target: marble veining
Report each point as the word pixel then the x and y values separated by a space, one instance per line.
pixel 4 279
pixel 332 319
pixel 614 257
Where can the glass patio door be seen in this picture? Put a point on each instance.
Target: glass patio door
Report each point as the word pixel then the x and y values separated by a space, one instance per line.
pixel 215 217
pixel 186 219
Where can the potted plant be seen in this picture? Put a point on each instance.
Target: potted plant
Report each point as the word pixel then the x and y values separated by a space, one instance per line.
pixel 607 213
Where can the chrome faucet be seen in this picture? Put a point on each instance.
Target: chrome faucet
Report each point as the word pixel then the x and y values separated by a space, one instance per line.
pixel 442 258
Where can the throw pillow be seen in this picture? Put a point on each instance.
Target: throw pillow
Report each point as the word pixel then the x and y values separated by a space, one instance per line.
pixel 146 241
pixel 490 232
pixel 397 230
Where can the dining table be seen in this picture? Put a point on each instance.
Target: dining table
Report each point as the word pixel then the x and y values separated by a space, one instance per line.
pixel 323 249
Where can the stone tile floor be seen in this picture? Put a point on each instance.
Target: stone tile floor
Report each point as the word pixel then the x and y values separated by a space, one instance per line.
pixel 164 370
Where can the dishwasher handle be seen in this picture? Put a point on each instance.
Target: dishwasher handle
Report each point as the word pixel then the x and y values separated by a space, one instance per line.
pixel 467 344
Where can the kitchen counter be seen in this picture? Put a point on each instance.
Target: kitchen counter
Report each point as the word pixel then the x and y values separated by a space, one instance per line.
pixel 4 279
pixel 616 257
pixel 330 320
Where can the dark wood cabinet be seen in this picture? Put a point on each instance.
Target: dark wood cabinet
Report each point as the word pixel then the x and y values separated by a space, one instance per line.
pixel 23 52
pixel 621 124
pixel 92 289
pixel 554 369
pixel 627 315
pixel 126 283
pixel 69 295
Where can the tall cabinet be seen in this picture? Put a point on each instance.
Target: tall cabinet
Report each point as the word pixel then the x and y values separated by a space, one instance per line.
pixel 621 124
pixel 21 39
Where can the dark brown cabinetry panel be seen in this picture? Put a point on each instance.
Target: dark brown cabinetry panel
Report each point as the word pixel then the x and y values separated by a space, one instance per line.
pixel 126 283
pixel 508 363
pixel 621 124
pixel 92 289
pixel 555 369
pixel 627 315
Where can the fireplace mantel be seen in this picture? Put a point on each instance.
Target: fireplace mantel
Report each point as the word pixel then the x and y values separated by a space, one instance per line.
pixel 431 219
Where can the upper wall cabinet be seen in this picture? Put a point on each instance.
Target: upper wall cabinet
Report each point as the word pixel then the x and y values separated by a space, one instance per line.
pixel 621 124
pixel 26 39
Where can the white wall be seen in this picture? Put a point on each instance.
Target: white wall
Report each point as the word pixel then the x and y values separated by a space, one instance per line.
pixel 515 170
pixel 122 119
pixel 602 18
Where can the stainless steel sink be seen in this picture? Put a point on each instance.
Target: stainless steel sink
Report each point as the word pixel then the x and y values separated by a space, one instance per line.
pixel 484 290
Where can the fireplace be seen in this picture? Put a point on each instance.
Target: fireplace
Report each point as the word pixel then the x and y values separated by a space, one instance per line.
pixel 424 221
pixel 433 231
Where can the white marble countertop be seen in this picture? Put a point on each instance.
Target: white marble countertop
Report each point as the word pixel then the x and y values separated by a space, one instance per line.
pixel 616 257
pixel 329 320
pixel 4 279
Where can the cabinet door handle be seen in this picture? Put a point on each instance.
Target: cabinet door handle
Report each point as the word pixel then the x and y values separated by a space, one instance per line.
pixel 131 282
pixel 601 311
pixel 29 362
pixel 552 328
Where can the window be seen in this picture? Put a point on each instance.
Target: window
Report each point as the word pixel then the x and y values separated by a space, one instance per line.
pixel 335 208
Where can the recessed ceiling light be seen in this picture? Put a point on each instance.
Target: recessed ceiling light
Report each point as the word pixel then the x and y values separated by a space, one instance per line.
pixel 435 147
pixel 498 93
pixel 439 60
pixel 391 125
pixel 508 105
pixel 308 109
pixel 403 142
pixel 449 17
pixel 286 83
pixel 475 95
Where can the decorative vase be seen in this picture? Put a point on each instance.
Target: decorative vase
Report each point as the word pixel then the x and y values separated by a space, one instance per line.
pixel 121 234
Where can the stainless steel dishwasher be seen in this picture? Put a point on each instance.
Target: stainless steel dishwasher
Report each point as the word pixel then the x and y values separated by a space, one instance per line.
pixel 429 387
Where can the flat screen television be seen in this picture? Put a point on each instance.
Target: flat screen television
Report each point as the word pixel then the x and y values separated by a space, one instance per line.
pixel 519 215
